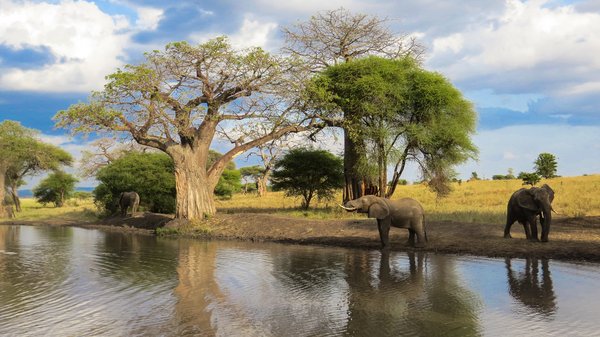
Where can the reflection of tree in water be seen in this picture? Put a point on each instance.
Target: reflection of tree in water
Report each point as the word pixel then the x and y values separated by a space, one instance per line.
pixel 137 259
pixel 528 288
pixel 380 297
pixel 405 302
pixel 451 308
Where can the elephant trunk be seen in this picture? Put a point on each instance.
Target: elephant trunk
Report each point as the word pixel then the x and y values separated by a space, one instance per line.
pixel 547 220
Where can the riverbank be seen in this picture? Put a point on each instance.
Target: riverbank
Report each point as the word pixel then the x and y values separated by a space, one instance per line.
pixel 570 238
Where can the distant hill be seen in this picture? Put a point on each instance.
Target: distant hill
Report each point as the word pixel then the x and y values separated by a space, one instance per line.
pixel 29 193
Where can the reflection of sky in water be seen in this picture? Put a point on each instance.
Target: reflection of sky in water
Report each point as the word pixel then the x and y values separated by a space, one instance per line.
pixel 575 288
pixel 76 281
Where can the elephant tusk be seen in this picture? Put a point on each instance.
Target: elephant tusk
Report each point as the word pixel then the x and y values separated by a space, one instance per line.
pixel 349 209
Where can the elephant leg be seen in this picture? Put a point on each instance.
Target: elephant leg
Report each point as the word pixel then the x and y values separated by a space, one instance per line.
pixel 507 229
pixel 419 229
pixel 526 228
pixel 411 237
pixel 510 219
pixel 384 232
pixel 534 232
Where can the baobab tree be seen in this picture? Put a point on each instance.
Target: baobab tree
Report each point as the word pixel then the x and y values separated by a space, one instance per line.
pixel 178 101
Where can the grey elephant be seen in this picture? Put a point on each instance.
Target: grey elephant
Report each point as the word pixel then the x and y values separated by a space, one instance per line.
pixel 525 205
pixel 129 199
pixel 402 213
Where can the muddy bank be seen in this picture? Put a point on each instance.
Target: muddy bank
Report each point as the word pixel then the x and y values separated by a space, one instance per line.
pixel 570 238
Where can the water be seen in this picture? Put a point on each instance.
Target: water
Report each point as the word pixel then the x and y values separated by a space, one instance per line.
pixel 78 282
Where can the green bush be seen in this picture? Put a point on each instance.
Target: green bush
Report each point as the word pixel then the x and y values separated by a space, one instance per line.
pixel 56 188
pixel 151 175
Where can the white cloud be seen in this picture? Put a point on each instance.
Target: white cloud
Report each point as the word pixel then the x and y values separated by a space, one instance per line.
pixel 148 17
pixel 252 33
pixel 530 46
pixel 86 43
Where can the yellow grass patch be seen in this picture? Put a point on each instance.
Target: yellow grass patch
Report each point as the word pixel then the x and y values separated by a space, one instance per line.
pixel 473 201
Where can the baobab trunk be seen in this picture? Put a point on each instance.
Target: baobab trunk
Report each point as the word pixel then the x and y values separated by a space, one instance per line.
pixel 194 190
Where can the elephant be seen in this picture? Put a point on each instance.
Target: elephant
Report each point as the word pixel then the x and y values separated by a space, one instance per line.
pixel 129 199
pixel 402 213
pixel 525 205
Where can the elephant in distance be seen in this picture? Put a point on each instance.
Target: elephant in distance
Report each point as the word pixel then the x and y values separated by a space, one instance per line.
pixel 525 205
pixel 129 199
pixel 402 213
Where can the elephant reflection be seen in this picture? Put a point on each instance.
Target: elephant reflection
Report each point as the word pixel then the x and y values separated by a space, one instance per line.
pixel 381 297
pixel 529 289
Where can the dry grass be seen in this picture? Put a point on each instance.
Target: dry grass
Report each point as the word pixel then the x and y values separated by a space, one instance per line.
pixel 74 209
pixel 474 201
pixel 482 201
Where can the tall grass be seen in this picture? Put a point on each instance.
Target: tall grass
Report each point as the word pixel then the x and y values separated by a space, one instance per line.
pixel 473 201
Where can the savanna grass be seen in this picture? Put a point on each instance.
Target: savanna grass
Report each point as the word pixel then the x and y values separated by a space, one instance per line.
pixel 481 201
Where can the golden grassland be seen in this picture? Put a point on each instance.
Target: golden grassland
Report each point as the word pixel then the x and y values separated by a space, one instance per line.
pixel 482 201
pixel 472 201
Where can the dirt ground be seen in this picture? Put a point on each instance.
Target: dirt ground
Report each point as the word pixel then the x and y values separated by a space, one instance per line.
pixel 570 238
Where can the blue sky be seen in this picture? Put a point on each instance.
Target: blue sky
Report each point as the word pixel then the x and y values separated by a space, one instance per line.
pixel 531 68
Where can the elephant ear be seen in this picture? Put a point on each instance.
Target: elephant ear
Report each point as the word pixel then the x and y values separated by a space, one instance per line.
pixel 525 199
pixel 379 209
pixel 549 191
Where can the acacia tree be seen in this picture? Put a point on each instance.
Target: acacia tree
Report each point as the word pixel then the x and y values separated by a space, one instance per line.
pixel 180 98
pixel 400 113
pixel 21 154
pixel 333 37
pixel 545 165
pixel 308 173
pixel 36 158
pixel 55 188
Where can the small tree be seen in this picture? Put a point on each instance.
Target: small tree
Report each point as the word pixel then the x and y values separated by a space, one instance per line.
pixel 529 178
pixel 56 188
pixel 545 165
pixel 308 173
pixel 251 173
pixel 474 176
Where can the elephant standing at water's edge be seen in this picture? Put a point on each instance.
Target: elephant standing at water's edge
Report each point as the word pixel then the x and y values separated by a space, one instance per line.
pixel 525 205
pixel 402 213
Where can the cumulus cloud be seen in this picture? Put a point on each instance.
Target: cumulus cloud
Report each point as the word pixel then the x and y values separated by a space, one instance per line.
pixel 86 43
pixel 528 47
pixel 252 33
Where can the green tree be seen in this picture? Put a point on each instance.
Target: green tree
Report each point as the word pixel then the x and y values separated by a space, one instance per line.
pixel 38 157
pixel 529 178
pixel 334 37
pixel 56 188
pixel 230 182
pixel 400 113
pixel 151 175
pixel 22 154
pixel 251 173
pixel 179 99
pixel 545 165
pixel 308 173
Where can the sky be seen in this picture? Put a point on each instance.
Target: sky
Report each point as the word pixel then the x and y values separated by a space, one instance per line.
pixel 531 68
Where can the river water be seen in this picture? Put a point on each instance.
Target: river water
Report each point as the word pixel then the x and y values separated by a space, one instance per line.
pixel 64 281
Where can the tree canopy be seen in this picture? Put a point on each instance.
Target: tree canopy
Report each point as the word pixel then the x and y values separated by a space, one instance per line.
pixel 178 100
pixel 308 173
pixel 400 113
pixel 56 188
pixel 545 165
